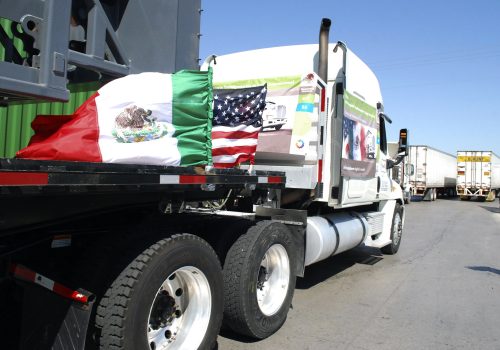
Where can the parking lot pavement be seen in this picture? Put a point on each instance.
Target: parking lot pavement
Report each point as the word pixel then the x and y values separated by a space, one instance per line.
pixel 441 291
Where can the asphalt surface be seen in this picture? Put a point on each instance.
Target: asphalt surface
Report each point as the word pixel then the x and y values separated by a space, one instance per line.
pixel 441 291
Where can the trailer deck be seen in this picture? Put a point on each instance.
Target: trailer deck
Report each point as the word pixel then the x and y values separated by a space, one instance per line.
pixel 60 190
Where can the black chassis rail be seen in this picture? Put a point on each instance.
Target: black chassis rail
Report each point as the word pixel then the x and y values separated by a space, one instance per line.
pixel 34 176
pixel 34 192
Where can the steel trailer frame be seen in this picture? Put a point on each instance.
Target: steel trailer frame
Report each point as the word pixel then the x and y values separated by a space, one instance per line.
pixel 110 39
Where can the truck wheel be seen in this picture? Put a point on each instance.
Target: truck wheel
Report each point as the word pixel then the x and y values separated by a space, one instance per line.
pixel 396 231
pixel 259 280
pixel 167 298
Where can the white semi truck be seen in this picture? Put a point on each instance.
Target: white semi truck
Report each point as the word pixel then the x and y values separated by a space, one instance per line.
pixel 478 175
pixel 434 172
pixel 332 163
pixel 117 256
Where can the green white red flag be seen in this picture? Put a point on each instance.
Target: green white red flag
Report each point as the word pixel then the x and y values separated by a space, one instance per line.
pixel 147 118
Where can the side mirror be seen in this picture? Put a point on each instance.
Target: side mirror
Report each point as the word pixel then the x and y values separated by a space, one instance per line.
pixel 410 169
pixel 403 142
pixel 395 172
pixel 402 149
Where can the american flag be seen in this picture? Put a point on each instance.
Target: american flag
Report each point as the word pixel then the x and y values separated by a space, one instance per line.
pixel 236 124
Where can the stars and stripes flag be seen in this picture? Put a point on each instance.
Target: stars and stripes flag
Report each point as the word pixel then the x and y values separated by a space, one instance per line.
pixel 237 120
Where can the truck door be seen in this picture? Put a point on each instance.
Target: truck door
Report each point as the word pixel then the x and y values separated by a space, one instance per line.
pixel 378 186
pixel 383 179
pixel 360 151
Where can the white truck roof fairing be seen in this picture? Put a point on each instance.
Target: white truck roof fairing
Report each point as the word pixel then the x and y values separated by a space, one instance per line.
pixel 296 60
pixel 361 81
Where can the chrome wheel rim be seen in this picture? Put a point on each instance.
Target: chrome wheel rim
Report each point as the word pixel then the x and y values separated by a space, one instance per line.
pixel 180 313
pixel 397 229
pixel 273 280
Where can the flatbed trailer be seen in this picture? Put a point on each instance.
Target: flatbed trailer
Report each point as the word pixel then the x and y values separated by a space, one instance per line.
pixel 67 188
pixel 69 229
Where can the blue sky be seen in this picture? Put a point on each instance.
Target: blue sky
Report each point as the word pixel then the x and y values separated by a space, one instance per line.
pixel 438 62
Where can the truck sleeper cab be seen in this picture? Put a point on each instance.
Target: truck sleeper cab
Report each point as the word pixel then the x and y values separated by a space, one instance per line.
pixel 335 167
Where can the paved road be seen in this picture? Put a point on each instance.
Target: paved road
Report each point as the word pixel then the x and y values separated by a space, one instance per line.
pixel 441 291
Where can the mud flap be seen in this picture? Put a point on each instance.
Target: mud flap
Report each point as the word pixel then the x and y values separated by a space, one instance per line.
pixel 491 196
pixel 428 195
pixel 52 322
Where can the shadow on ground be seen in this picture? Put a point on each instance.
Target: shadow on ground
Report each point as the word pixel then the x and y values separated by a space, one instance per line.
pixel 484 269
pixel 229 334
pixel 323 270
pixel 492 209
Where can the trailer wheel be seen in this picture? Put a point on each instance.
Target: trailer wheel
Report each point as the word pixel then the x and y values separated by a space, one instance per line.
pixel 396 231
pixel 259 280
pixel 167 298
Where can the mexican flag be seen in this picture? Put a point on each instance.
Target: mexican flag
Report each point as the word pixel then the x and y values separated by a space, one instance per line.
pixel 147 118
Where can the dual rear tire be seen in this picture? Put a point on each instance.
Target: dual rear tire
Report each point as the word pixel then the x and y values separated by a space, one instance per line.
pixel 259 280
pixel 168 297
pixel 174 294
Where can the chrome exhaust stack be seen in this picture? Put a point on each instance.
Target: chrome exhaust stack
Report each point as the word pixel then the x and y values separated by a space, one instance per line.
pixel 324 32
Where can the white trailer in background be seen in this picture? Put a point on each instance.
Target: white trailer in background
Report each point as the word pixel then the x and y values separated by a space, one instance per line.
pixel 401 173
pixel 478 174
pixel 434 172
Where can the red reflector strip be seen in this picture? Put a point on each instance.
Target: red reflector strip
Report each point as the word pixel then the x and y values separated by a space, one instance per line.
pixel 274 179
pixel 192 179
pixel 320 170
pixel 323 100
pixel 270 180
pixel 22 273
pixel 23 178
pixel 25 274
pixel 69 293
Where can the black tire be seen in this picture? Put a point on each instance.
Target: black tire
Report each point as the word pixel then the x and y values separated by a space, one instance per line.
pixel 97 267
pixel 278 127
pixel 242 273
pixel 396 232
pixel 227 233
pixel 126 317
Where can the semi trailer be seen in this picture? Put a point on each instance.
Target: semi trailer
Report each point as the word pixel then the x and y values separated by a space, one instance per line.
pixel 434 172
pixel 138 256
pixel 478 175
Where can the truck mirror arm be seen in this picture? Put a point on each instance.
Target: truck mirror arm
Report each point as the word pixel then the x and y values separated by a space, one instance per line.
pixel 392 163
pixel 386 117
